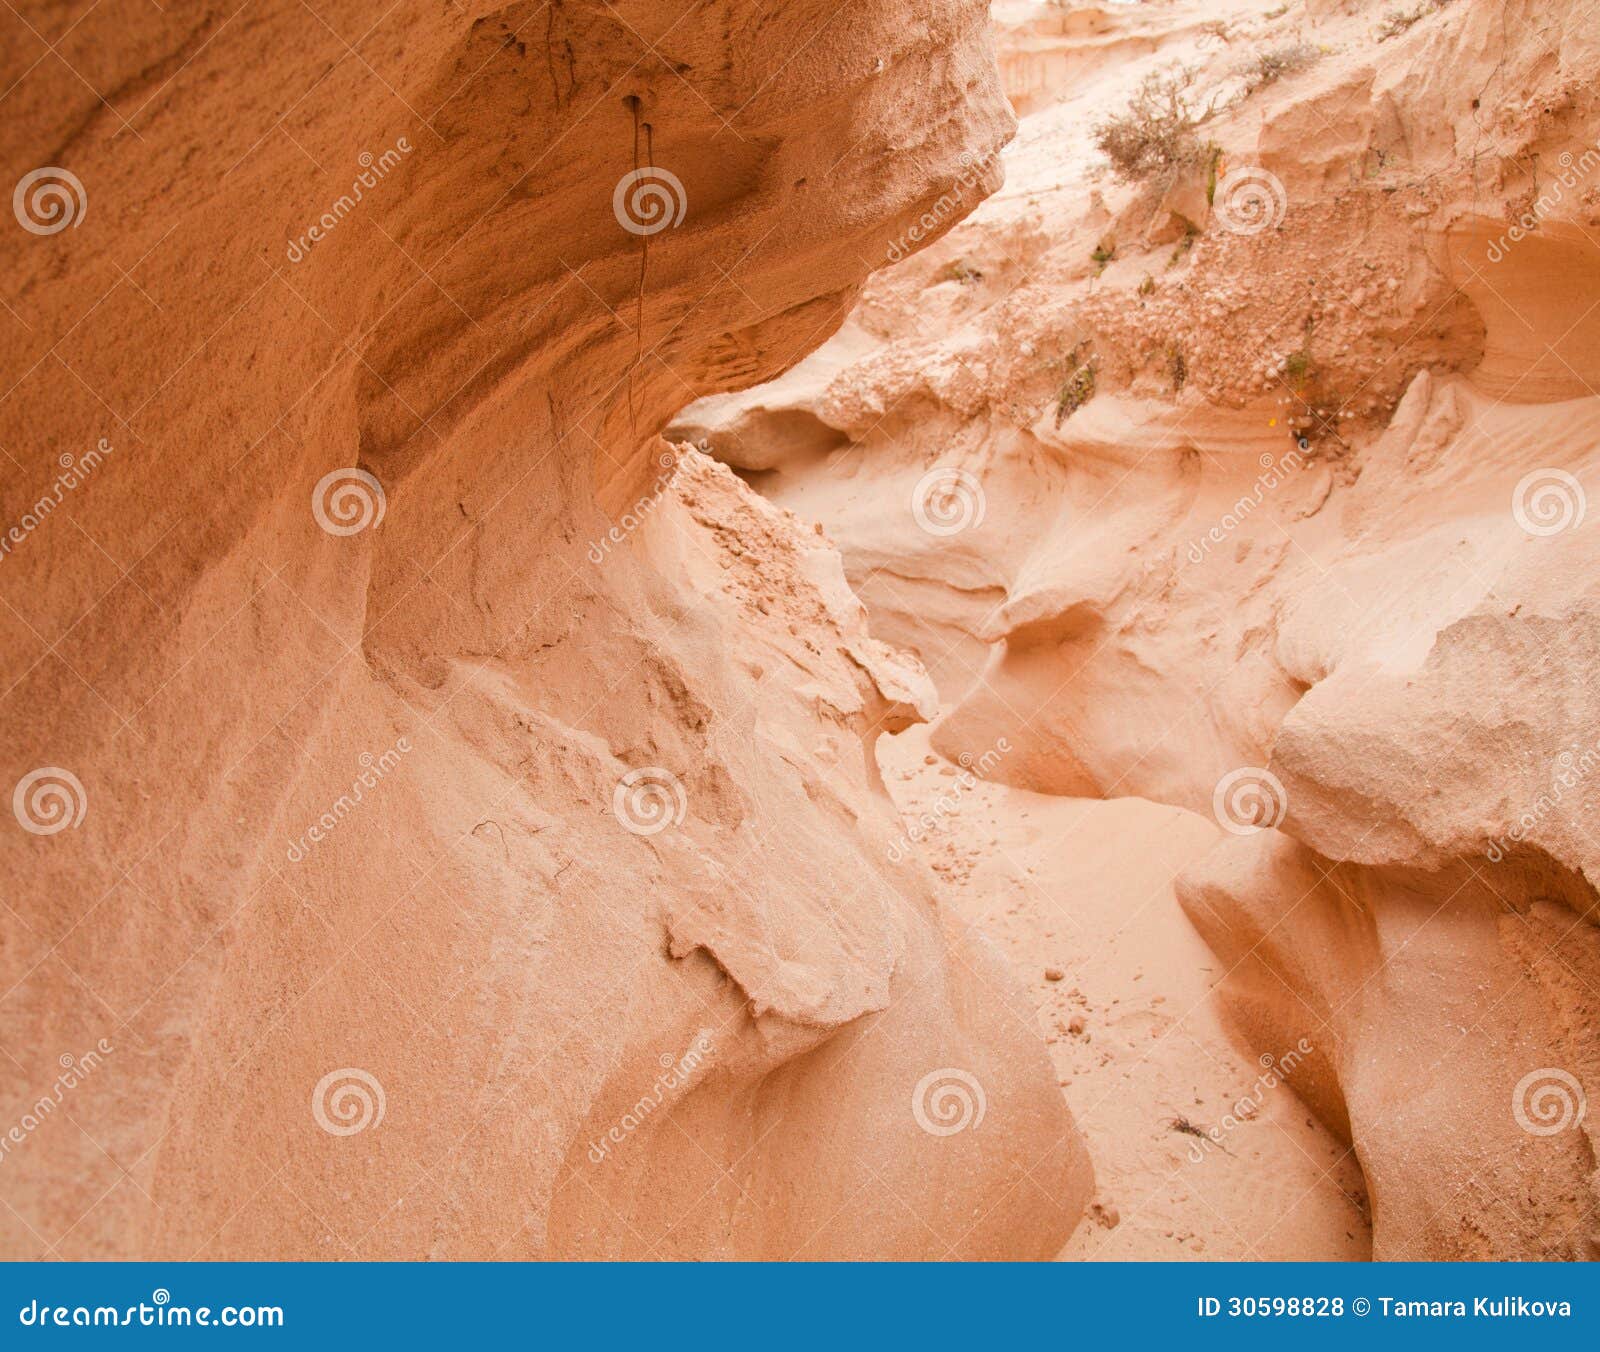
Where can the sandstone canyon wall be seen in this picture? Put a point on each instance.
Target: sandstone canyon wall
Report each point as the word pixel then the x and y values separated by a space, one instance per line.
pixel 445 817
pixel 1259 488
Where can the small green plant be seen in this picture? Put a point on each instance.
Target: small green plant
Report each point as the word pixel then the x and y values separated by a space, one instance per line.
pixel 1177 368
pixel 1300 370
pixel 1297 365
pixel 1103 254
pixel 1148 286
pixel 1078 388
pixel 962 271
pixel 1182 247
pixel 1213 159
pixel 1265 67
pixel 1277 13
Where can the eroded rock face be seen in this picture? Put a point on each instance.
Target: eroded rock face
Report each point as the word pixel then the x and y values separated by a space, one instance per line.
pixel 466 870
pixel 1267 497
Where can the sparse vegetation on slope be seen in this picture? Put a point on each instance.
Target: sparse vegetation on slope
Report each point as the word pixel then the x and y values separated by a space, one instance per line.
pixel 1265 67
pixel 1398 21
pixel 1078 388
pixel 1156 133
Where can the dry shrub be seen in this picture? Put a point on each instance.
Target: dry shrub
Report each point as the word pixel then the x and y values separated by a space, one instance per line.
pixel 1265 67
pixel 1157 132
pixel 1398 21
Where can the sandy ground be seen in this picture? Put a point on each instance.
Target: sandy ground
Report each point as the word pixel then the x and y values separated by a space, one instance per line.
pixel 1078 896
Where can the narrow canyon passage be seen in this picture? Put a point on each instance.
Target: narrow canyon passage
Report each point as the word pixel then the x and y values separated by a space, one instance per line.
pixel 1226 471
pixel 1078 895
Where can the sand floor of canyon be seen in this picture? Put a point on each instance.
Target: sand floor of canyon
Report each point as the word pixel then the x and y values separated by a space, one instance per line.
pixel 1078 896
